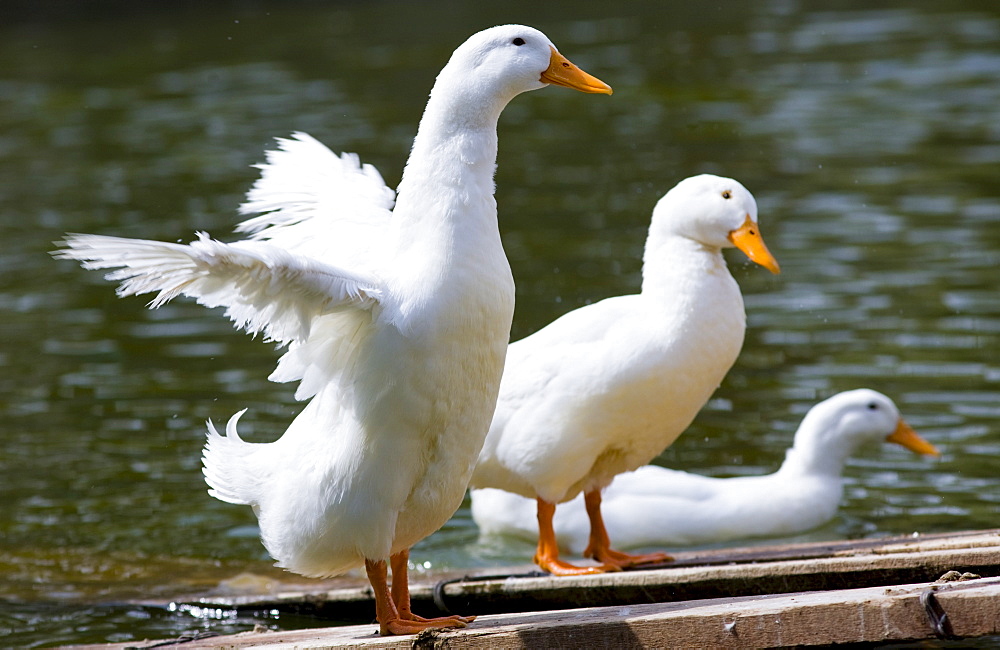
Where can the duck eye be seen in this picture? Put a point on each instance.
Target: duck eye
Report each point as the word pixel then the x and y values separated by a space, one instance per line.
pixel 518 41
pixel 727 194
pixel 872 406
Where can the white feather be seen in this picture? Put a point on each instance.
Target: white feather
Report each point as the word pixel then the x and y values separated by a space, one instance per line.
pixel 224 459
pixel 605 388
pixel 317 203
pixel 655 506
pixel 397 322
pixel 264 287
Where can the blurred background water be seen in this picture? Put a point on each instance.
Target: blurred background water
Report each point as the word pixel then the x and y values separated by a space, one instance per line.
pixel 870 137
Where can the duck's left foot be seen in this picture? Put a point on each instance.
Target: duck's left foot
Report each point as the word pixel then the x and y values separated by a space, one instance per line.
pixel 626 560
pixel 599 547
pixel 454 617
pixel 407 626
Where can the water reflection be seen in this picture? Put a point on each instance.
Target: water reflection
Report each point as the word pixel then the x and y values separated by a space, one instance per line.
pixel 870 138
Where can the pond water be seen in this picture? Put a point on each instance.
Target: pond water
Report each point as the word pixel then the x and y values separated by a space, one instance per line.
pixel 870 137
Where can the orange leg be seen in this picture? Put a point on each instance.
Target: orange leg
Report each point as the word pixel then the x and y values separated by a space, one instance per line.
pixel 600 544
pixel 399 563
pixel 389 620
pixel 547 555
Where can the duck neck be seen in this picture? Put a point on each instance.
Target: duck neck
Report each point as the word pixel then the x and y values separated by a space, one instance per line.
pixel 671 262
pixel 450 169
pixel 809 456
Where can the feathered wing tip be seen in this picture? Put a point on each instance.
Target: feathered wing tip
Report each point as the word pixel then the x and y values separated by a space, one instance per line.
pixel 146 266
pixel 264 287
pixel 225 464
pixel 303 179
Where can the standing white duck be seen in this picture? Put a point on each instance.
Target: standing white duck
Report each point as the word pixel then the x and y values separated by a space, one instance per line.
pixel 655 505
pixel 605 388
pixel 397 321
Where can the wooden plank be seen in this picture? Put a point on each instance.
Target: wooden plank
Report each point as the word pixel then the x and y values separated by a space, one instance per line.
pixel 889 564
pixel 698 594
pixel 744 572
pixel 867 615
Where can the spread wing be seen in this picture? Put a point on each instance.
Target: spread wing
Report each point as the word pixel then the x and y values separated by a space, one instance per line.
pixel 314 202
pixel 264 287
pixel 315 247
pixel 308 274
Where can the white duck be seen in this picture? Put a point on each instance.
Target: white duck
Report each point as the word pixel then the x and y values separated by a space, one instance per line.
pixel 397 321
pixel 605 388
pixel 654 505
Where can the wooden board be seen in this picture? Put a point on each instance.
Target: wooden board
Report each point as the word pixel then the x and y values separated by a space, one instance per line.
pixel 803 594
pixel 707 574
pixel 873 614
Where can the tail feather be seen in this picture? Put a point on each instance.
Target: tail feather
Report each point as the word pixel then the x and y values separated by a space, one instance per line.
pixel 227 469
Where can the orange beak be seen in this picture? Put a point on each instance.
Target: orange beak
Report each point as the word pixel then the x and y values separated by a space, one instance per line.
pixel 904 435
pixel 747 238
pixel 563 73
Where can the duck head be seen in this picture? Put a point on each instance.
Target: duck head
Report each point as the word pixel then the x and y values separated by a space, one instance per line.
pixel 497 64
pixel 837 427
pixel 717 212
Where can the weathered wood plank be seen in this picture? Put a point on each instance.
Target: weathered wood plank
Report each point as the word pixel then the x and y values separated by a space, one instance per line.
pixel 745 572
pixel 894 564
pixel 872 614
pixel 840 592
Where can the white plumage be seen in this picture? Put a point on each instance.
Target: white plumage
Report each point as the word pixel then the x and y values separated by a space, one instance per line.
pixel 265 287
pixel 655 505
pixel 605 388
pixel 396 319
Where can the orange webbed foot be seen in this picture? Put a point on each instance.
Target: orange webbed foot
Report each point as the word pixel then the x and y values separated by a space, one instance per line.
pixel 405 626
pixel 557 567
pixel 600 544
pixel 627 560
pixel 398 617
pixel 454 617
pixel 547 555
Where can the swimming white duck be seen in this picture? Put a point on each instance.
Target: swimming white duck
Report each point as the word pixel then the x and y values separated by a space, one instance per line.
pixel 397 321
pixel 654 505
pixel 605 388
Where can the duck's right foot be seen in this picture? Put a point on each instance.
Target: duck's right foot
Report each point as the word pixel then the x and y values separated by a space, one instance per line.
pixel 557 567
pixel 411 626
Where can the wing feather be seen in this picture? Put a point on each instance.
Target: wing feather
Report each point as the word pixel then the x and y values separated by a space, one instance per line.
pixel 311 200
pixel 307 275
pixel 264 287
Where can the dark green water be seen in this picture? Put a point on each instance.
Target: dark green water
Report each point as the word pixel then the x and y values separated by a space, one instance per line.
pixel 871 139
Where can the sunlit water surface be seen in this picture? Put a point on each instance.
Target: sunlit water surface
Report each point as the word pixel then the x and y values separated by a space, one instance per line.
pixel 871 139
